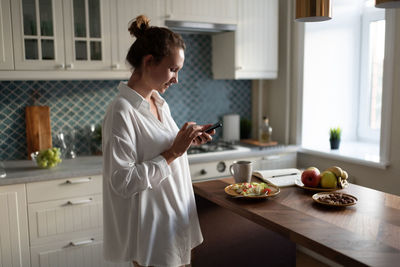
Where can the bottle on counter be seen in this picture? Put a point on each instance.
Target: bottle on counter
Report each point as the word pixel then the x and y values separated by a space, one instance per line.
pixel 265 131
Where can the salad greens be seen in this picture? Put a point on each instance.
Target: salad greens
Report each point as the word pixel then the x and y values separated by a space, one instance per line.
pixel 251 189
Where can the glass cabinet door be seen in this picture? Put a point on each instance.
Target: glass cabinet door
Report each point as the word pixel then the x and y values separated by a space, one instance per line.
pixel 86 28
pixel 39 39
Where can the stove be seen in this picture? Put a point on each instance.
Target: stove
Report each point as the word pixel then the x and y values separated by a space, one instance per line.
pixel 212 160
pixel 211 147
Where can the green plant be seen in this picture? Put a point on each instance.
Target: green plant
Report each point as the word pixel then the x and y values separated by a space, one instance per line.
pixel 335 133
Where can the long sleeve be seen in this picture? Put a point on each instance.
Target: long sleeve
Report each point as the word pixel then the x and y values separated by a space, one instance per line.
pixel 130 176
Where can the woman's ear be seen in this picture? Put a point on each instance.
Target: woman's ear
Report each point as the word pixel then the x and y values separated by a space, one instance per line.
pixel 147 60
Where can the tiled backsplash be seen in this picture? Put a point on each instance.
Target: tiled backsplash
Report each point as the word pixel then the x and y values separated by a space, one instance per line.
pixel 78 104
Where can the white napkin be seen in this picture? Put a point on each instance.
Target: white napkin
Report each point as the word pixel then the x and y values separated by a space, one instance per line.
pixel 279 177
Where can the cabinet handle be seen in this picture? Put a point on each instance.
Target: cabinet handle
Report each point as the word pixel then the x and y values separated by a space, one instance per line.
pixel 115 66
pixel 79 181
pixel 168 16
pixel 77 202
pixel 60 66
pixel 203 172
pixel 69 66
pixel 81 243
pixel 239 68
pixel 272 157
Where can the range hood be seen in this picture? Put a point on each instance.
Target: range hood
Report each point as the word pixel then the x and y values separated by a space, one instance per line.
pixel 199 27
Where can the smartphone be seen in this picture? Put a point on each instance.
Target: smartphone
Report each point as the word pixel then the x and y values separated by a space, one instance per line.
pixel 212 127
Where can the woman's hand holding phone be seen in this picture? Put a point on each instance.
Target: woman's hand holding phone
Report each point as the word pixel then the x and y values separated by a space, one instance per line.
pixel 182 141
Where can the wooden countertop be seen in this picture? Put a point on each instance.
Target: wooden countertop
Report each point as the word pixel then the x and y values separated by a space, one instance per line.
pixel 367 233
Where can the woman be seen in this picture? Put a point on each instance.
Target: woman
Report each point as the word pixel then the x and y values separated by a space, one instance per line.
pixel 150 214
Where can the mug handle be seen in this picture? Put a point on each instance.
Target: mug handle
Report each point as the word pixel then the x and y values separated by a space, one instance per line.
pixel 231 170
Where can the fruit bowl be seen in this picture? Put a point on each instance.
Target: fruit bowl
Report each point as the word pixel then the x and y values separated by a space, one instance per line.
pixel 331 179
pixel 300 184
pixel 47 158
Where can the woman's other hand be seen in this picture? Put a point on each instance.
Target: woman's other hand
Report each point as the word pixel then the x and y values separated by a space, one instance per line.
pixel 183 140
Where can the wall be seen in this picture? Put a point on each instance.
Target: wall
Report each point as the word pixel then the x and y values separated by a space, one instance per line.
pixel 78 104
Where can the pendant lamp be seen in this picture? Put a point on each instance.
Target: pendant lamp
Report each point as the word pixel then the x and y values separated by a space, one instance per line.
pixel 387 3
pixel 313 10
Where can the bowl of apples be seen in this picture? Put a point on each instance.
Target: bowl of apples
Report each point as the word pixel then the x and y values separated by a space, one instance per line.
pixel 47 158
pixel 331 179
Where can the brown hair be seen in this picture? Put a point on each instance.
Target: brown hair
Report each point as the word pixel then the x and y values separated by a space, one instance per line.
pixel 151 40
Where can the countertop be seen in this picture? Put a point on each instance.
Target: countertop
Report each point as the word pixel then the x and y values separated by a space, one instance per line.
pixel 25 171
pixel 366 234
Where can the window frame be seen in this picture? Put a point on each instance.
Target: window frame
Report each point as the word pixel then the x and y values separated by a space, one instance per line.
pixel 364 132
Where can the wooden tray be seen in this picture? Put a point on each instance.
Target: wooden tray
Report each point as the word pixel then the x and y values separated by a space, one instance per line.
pixel 257 143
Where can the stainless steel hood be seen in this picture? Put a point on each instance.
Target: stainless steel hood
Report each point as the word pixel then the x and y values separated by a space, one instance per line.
pixel 199 27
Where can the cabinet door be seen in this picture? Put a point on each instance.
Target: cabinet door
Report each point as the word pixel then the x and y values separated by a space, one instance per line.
pixel 122 13
pixel 38 34
pixel 214 11
pixel 257 40
pixel 83 252
pixel 87 34
pixel 279 161
pixel 6 50
pixel 14 243
pixel 251 52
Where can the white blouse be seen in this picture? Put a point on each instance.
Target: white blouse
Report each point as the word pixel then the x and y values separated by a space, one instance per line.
pixel 149 208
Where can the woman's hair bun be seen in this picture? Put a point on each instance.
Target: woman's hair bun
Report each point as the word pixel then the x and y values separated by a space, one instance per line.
pixel 139 26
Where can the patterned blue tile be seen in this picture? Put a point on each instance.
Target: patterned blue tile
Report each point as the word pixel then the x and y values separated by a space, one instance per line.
pixel 75 105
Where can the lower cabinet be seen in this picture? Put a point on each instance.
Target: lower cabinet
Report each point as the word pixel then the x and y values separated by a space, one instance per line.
pixel 14 242
pixel 66 223
pixel 80 252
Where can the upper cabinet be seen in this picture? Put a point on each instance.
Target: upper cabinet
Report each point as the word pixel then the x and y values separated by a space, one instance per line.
pixel 6 55
pixel 220 11
pixel 87 34
pixel 122 13
pixel 61 34
pixel 252 51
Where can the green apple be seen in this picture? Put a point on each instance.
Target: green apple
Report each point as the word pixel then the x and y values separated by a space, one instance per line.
pixel 328 180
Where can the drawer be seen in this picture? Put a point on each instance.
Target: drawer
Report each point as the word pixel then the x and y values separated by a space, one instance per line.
pixel 86 251
pixel 63 188
pixel 64 219
pixel 279 161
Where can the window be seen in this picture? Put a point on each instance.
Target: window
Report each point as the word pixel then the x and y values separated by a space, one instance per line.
pixel 342 82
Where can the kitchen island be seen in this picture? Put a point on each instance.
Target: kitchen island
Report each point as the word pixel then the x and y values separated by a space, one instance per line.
pixel 366 234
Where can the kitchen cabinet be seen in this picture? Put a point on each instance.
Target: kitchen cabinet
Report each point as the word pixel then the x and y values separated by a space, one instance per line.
pixel 61 34
pixel 122 12
pixel 6 55
pixel 66 222
pixel 14 241
pixel 220 11
pixel 282 160
pixel 251 52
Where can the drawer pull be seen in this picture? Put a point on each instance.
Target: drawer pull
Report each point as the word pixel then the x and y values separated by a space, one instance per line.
pixel 76 202
pixel 79 181
pixel 81 243
pixel 272 157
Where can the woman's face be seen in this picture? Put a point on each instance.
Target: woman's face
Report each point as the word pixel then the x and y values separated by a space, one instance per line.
pixel 162 75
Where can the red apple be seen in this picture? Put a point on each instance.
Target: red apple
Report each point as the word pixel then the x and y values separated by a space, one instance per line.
pixel 311 177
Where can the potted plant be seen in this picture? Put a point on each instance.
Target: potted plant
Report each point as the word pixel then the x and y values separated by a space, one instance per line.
pixel 334 139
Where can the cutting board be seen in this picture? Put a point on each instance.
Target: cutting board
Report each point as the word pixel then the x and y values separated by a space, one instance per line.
pixel 38 130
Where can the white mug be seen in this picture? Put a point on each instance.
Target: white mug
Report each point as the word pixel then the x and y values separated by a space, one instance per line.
pixel 241 171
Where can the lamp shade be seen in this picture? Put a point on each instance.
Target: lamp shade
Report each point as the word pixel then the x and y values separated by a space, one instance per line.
pixel 313 10
pixel 387 3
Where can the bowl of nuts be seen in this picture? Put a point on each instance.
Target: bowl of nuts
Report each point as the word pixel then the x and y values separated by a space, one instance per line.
pixel 335 199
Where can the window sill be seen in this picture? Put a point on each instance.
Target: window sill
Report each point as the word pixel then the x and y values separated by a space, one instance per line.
pixel 355 152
